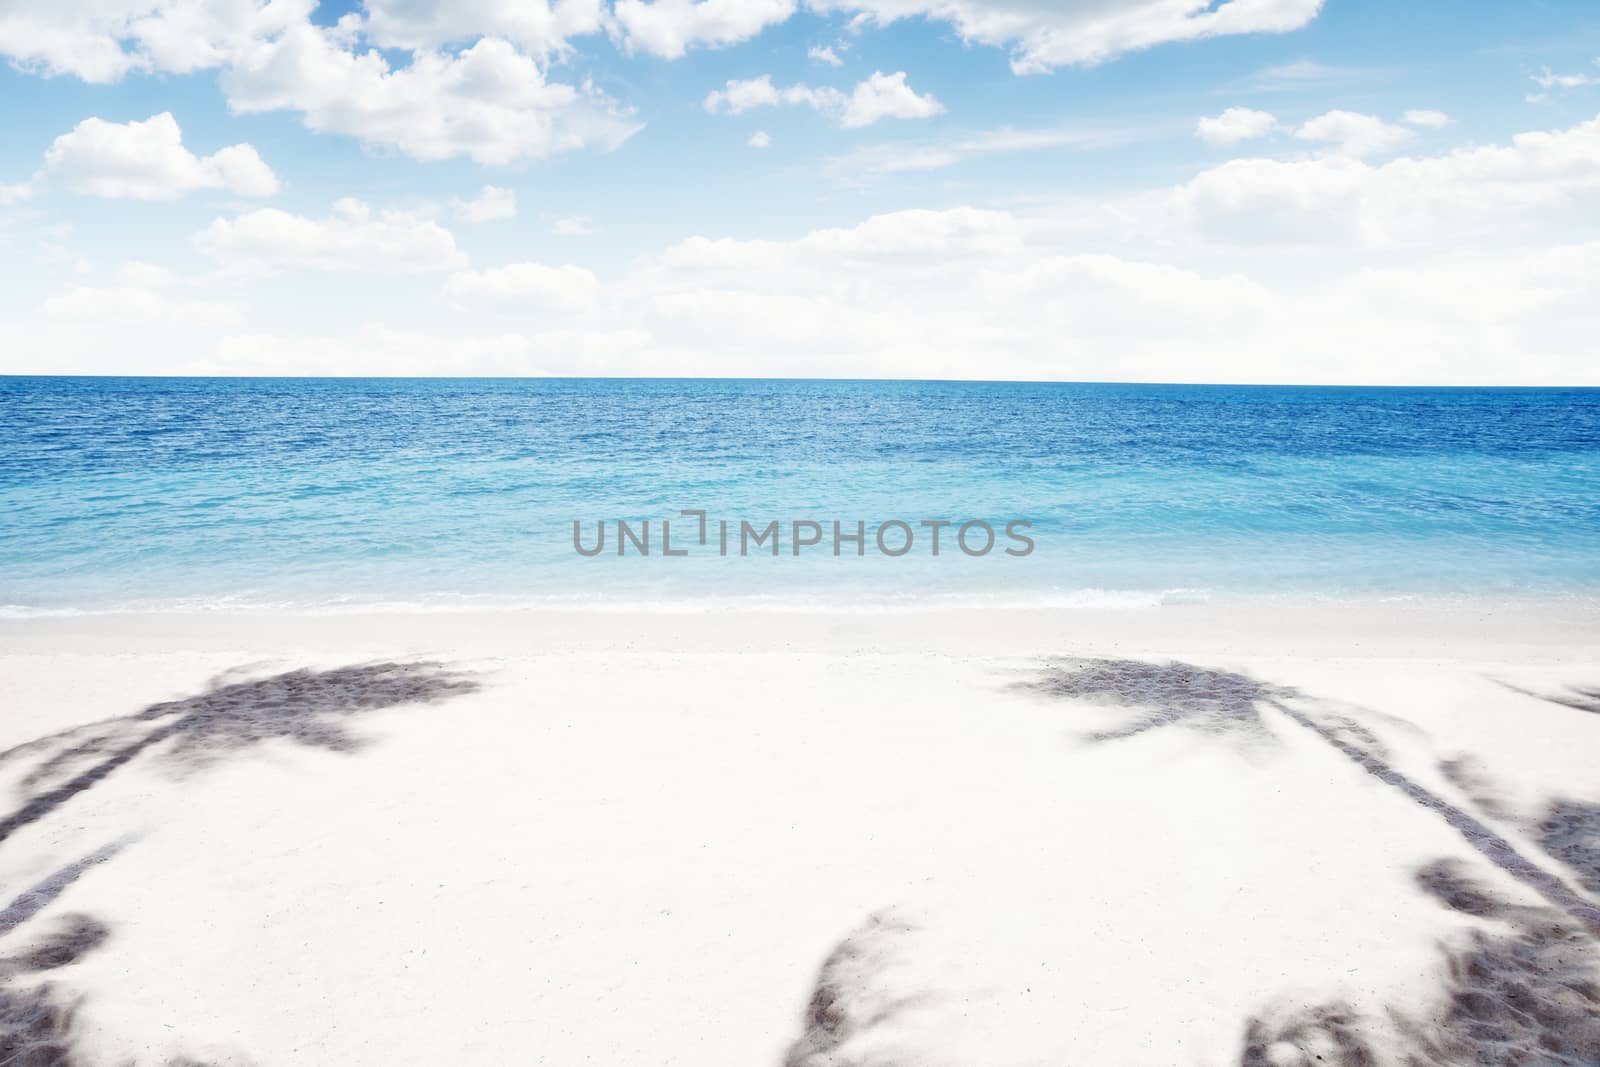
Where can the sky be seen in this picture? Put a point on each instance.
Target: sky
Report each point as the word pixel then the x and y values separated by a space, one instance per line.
pixel 1288 191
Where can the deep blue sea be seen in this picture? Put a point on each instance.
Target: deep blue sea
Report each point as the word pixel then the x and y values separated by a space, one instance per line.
pixel 199 493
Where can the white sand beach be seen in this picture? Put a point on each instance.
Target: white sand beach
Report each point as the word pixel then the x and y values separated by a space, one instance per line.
pixel 1275 834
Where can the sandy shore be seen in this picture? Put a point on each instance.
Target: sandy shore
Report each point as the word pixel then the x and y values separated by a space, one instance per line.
pixel 1320 834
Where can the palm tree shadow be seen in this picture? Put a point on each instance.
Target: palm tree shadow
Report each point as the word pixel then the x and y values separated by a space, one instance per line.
pixel 1217 703
pixel 1524 988
pixel 1226 703
pixel 38 1023
pixel 1576 697
pixel 1570 831
pixel 858 993
pixel 307 707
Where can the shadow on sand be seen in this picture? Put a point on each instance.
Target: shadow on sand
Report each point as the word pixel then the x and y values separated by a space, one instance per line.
pixel 305 706
pixel 1577 697
pixel 1523 989
pixel 1225 703
pixel 308 707
pixel 860 990
pixel 36 1022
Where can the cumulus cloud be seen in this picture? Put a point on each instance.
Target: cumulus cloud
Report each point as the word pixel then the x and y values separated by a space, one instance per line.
pixel 490 204
pixel 970 293
pixel 741 95
pixel 1044 35
pixel 1041 36
pixel 103 40
pixel 573 226
pixel 825 54
pixel 15 193
pixel 669 28
pixel 524 285
pixel 538 27
pixel 760 139
pixel 881 96
pixel 1548 177
pixel 352 238
pixel 886 96
pixel 959 293
pixel 1353 134
pixel 489 101
pixel 148 161
pixel 1234 125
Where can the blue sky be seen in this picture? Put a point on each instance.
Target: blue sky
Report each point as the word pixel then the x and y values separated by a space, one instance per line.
pixel 1258 190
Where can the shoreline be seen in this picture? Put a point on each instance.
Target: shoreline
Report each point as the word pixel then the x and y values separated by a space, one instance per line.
pixel 1464 628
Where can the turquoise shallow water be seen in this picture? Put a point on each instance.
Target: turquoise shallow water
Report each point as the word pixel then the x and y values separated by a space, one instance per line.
pixel 193 493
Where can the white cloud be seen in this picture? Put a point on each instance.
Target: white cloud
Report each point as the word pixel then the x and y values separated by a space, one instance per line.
pixel 760 139
pixel 963 293
pixel 1353 134
pixel 1043 34
pixel 524 285
pixel 881 96
pixel 886 96
pixel 1300 75
pixel 147 275
pixel 825 54
pixel 15 193
pixel 1541 178
pixel 102 40
pixel 148 161
pixel 1431 120
pixel 1546 79
pixel 538 27
pixel 353 238
pixel 896 158
pixel 573 226
pixel 966 293
pixel 669 28
pixel 1234 125
pixel 376 349
pixel 489 101
pixel 491 203
pixel 139 306
pixel 140 297
pixel 741 95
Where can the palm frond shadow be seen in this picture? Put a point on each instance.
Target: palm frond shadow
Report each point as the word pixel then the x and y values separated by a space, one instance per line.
pixel 1523 988
pixel 307 707
pixel 38 1021
pixel 1577 697
pixel 1227 703
pixel 861 990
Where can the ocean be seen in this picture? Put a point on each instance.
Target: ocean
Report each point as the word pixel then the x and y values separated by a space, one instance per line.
pixel 333 494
